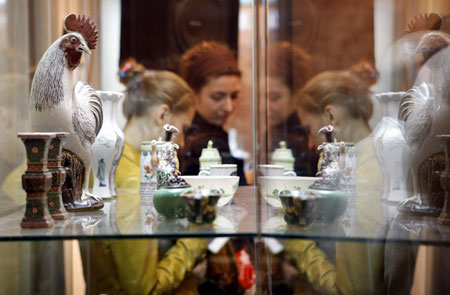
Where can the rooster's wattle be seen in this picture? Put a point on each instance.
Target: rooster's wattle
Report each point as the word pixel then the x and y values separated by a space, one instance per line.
pixel 58 104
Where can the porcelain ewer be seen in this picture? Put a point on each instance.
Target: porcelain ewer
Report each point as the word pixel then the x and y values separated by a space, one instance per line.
pixel 391 148
pixel 107 148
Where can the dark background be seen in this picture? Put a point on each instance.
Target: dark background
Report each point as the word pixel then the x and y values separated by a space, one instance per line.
pixel 157 32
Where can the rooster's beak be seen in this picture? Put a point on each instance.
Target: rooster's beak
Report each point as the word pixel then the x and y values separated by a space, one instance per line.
pixel 83 47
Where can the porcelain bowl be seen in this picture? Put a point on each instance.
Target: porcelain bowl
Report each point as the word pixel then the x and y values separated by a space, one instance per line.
pixel 331 205
pixel 227 185
pixel 201 205
pixel 299 207
pixel 270 186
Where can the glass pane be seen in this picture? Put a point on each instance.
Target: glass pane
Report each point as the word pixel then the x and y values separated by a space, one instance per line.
pixel 202 41
pixel 320 126
pixel 367 94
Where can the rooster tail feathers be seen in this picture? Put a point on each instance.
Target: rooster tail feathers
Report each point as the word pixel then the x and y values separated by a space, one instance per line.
pixel 86 95
pixel 415 98
pixel 416 111
pixel 95 106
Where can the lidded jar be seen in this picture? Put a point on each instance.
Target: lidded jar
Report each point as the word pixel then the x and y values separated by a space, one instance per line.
pixel 283 156
pixel 210 156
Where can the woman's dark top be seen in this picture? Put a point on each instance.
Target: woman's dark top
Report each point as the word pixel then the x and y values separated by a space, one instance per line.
pixel 296 137
pixel 196 139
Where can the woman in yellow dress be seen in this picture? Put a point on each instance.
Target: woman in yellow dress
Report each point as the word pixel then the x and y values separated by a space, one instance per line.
pixel 153 98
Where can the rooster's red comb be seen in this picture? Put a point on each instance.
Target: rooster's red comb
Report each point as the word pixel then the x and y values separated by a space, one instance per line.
pixel 83 25
pixel 425 21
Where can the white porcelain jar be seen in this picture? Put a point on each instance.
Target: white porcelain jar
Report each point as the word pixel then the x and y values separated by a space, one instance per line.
pixel 284 157
pixel 210 156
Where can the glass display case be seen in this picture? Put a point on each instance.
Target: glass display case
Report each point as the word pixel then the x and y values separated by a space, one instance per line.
pixel 333 113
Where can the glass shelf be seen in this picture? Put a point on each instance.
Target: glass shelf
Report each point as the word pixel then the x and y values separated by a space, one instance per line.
pixel 130 217
pixel 385 226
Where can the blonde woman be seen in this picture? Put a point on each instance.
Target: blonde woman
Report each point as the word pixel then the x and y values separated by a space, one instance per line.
pixel 153 98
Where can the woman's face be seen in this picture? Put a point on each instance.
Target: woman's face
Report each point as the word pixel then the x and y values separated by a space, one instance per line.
pixel 217 99
pixel 181 120
pixel 280 101
pixel 313 121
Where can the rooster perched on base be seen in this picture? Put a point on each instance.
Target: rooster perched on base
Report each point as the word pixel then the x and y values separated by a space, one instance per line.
pixel 57 104
pixel 425 109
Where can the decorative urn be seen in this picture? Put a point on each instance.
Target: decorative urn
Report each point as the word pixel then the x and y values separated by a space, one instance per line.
pixel 284 157
pixel 37 180
pixel 210 156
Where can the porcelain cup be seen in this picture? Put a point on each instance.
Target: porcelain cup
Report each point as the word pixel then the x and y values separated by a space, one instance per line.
pixel 220 170
pixel 274 170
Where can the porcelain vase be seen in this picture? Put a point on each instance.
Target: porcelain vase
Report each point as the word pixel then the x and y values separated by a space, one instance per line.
pixel 36 180
pixel 107 148
pixel 391 149
pixel 55 202
pixel 148 174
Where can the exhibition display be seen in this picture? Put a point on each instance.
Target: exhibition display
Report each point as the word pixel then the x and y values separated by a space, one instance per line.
pixel 335 178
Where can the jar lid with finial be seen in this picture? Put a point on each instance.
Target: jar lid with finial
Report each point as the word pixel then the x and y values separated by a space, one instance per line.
pixel 210 156
pixel 284 157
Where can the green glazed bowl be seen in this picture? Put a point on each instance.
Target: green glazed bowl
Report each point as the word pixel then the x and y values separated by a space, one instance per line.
pixel 331 205
pixel 169 203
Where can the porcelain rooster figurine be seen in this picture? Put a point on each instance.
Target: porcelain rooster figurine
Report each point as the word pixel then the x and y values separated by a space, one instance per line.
pixel 398 69
pixel 425 109
pixel 58 104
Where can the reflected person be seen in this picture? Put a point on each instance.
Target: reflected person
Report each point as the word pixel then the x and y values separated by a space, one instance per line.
pixel 342 99
pixel 289 70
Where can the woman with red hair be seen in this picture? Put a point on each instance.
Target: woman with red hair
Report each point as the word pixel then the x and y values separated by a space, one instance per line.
pixel 211 70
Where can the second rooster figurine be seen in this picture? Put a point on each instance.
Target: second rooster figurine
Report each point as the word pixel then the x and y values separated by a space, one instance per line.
pixel 58 104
